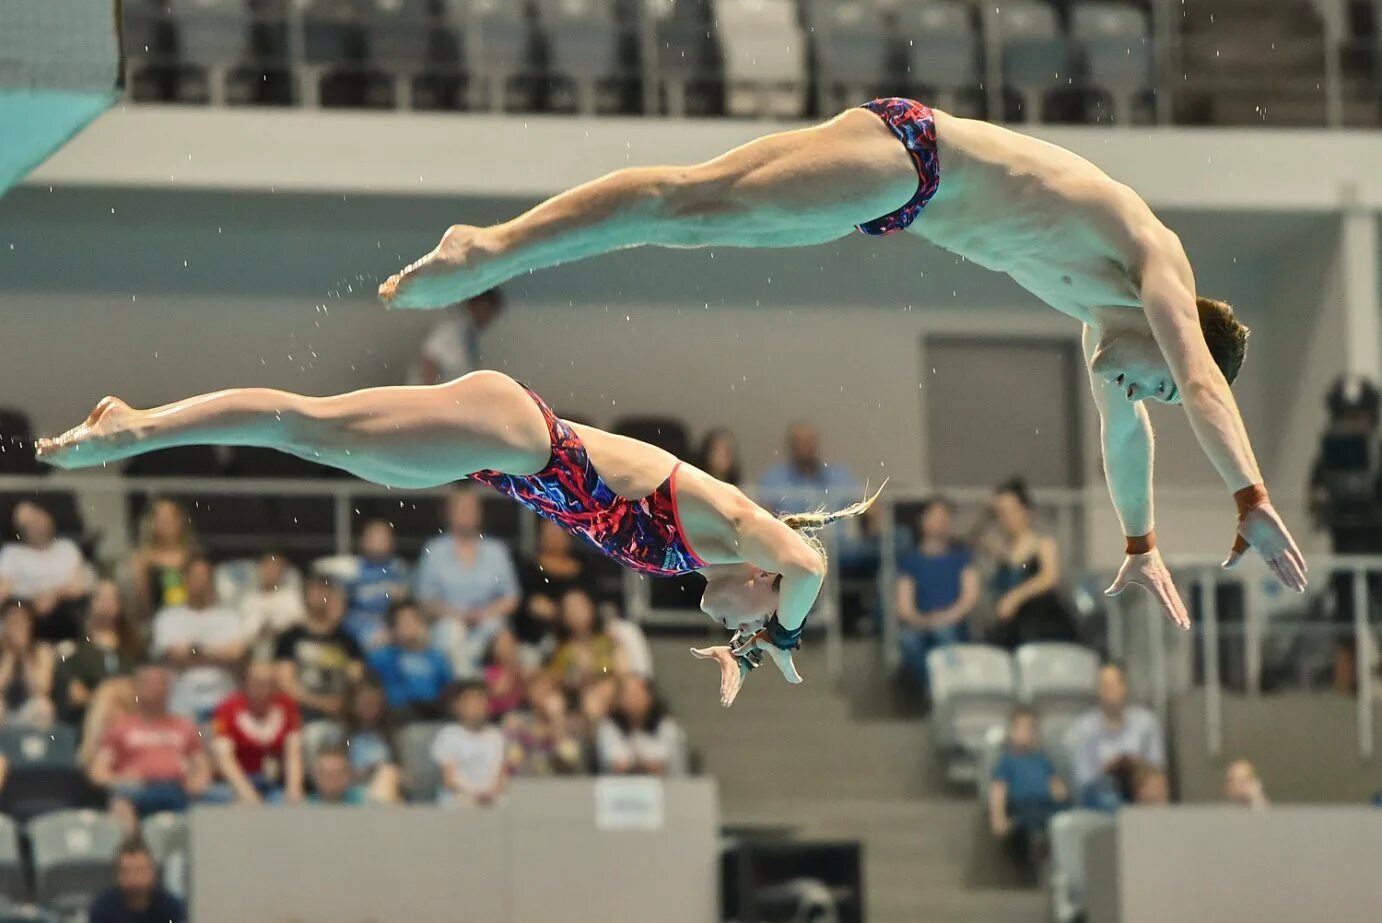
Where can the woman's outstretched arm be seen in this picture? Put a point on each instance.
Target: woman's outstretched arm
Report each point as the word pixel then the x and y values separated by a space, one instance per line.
pixel 791 188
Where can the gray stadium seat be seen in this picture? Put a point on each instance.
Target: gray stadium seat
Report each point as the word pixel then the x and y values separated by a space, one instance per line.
pixel 13 886
pixel 421 778
pixel 583 38
pixel 332 38
pixel 56 746
pixel 1058 681
pixel 42 774
pixel 214 36
pixel 74 856
pixel 765 58
pixel 400 43
pixel 28 915
pixel 973 690
pixel 496 47
pixel 1035 53
pixel 1068 832
pixel 942 49
pixel 852 53
pixel 164 833
pixel 1117 47
pixel 318 734
pixel 677 40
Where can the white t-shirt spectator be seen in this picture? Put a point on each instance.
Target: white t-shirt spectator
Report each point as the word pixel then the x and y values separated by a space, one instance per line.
pixel 197 690
pixel 269 613
pixel 452 346
pixel 615 746
pixel 31 572
pixel 633 646
pixel 475 756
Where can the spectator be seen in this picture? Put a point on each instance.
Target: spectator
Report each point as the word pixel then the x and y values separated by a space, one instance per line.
pixel 505 677
pixel 470 753
pixel 1028 606
pixel 380 578
pixel 167 542
pixel 1109 742
pixel 1025 789
pixel 114 699
pixel 369 741
pixel 1150 786
pixel 414 674
pixel 150 760
pixel 1243 786
pixel 587 654
pixel 274 605
pixel 105 649
pixel 634 654
pixel 937 589
pixel 26 670
pixel 257 742
pixel 318 659
pixel 805 481
pixel 546 740
pixel 467 585
pixel 332 782
pixel 452 349
pixel 45 571
pixel 638 737
pixel 136 896
pixel 719 456
pixel 202 641
pixel 555 571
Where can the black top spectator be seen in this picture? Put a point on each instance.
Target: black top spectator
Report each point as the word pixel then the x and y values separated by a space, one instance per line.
pixel 318 659
pixel 1027 605
pixel 167 543
pixel 718 456
pixel 136 896
pixel 106 648
pixel 554 572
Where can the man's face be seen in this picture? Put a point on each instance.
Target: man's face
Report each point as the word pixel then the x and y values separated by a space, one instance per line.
pixel 200 592
pixel 1022 732
pixel 804 446
pixel 135 876
pixel 464 514
pixel 482 310
pixel 33 524
pixel 325 602
pixel 1153 789
pixel 259 684
pixel 409 630
pixel 331 776
pixel 1133 364
pixel 151 690
pixel 1113 691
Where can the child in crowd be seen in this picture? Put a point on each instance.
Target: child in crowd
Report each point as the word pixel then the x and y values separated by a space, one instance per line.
pixel 380 578
pixel 1025 789
pixel 470 753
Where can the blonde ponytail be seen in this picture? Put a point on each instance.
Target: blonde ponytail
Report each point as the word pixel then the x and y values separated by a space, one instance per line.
pixel 808 524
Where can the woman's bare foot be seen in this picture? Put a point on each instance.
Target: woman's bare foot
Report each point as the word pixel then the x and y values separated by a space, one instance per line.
pixel 103 436
pixel 449 274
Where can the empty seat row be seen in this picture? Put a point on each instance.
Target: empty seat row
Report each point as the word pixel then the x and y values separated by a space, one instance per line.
pixel 974 688
pixel 72 853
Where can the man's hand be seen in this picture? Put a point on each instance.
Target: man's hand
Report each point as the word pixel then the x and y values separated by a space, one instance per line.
pixel 1262 529
pixel 1149 571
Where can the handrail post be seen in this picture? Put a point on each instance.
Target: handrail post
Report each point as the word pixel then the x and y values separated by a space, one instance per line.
pixel 887 579
pixel 341 520
pixel 1361 661
pixel 834 630
pixel 1213 694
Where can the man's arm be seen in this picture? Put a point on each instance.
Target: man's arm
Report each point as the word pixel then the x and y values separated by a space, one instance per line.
pixel 906 602
pixel 1168 298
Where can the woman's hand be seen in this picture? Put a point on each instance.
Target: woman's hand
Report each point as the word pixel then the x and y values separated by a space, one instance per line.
pixel 736 662
pixel 1006 607
pixel 1149 571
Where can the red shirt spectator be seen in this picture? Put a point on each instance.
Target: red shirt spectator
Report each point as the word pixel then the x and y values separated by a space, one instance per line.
pixel 258 740
pixel 151 748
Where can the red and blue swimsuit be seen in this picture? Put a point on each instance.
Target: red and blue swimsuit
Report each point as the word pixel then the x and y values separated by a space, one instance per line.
pixel 915 126
pixel 644 535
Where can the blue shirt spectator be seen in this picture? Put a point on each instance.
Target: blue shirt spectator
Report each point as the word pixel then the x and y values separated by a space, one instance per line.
pixel 1025 789
pixel 413 673
pixel 805 481
pixel 1109 743
pixel 937 589
pixel 380 578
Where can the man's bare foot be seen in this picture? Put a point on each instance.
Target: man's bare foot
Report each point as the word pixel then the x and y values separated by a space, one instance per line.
pixel 448 274
pixel 101 437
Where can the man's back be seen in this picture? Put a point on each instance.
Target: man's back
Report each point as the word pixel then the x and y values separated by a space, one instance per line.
pixel 110 906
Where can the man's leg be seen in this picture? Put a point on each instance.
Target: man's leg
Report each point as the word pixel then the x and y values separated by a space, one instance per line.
pixel 792 188
pixel 397 436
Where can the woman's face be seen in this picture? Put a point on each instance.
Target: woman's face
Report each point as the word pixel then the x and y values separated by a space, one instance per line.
pixel 720 455
pixel 552 539
pixel 936 521
pixel 739 596
pixel 104 611
pixel 168 522
pixel 1010 513
pixel 635 699
pixel 578 614
pixel 369 705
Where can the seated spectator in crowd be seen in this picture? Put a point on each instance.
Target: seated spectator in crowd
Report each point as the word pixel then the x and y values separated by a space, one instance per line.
pixel 1151 787
pixel 587 655
pixel 638 737
pixel 452 349
pixel 256 742
pixel 105 648
pixel 413 673
pixel 718 456
pixel 1108 743
pixel 167 542
pixel 318 660
pixel 113 700
pixel 380 579
pixel 150 760
pixel 937 589
pixel 1025 789
pixel 369 741
pixel 546 739
pixel 1243 786
pixel 1026 582
pixel 635 655
pixel 137 896
pixel 274 604
pixel 46 572
pixel 202 641
pixel 470 753
pixel 554 572
pixel 505 677
pixel 467 585
pixel 332 780
pixel 26 670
